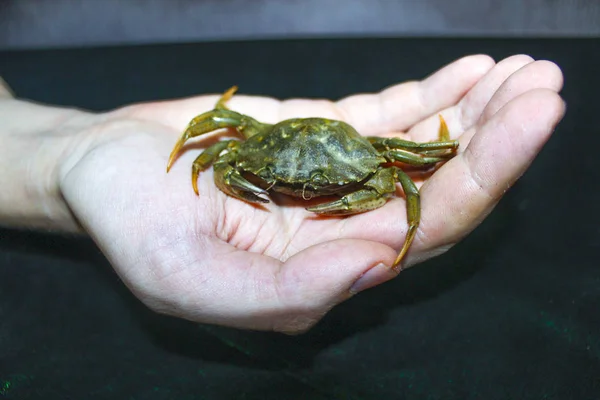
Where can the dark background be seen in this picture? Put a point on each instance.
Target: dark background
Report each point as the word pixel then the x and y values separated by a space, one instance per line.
pixel 511 312
pixel 68 23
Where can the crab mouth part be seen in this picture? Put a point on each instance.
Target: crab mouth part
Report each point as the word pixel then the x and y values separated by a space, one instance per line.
pixel 306 190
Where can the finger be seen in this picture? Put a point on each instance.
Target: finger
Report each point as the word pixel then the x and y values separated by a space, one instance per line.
pixel 248 290
pixel 176 114
pixel 460 195
pixel 322 276
pixel 472 105
pixel 452 81
pixel 5 90
pixel 536 75
pixel 461 115
pixel 399 107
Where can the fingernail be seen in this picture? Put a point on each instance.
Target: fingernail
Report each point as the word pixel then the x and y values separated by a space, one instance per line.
pixel 373 277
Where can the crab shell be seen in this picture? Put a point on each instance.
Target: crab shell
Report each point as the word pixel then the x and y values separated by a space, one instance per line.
pixel 309 157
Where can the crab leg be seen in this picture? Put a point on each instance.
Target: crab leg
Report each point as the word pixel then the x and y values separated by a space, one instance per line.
pixel 353 203
pixel 205 123
pixel 443 132
pixel 443 146
pixel 219 118
pixel 415 159
pixel 397 143
pixel 413 213
pixel 225 98
pixel 208 157
pixel 376 193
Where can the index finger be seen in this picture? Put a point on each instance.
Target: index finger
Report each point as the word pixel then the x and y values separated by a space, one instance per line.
pixel 401 106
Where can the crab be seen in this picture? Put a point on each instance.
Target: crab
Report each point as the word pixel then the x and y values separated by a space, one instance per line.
pixel 311 157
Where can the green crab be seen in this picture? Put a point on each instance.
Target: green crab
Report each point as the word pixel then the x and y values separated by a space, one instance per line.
pixel 310 157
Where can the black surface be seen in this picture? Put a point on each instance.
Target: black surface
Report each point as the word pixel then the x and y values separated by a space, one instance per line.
pixel 511 312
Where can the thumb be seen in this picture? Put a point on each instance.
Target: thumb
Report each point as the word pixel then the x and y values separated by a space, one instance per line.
pixel 313 281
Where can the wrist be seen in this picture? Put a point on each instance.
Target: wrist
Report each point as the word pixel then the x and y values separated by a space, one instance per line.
pixel 35 140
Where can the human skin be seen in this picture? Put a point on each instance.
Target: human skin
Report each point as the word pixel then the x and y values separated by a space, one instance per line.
pixel 215 259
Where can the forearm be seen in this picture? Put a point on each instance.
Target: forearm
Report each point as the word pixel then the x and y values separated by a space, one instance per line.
pixel 34 140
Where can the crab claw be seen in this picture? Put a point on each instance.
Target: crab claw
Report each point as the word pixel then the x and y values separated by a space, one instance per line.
pixel 230 181
pixel 353 203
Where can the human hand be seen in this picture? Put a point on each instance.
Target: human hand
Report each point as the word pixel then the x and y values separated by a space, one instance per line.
pixel 215 259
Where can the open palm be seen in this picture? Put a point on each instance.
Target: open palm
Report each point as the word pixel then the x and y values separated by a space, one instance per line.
pixel 215 259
